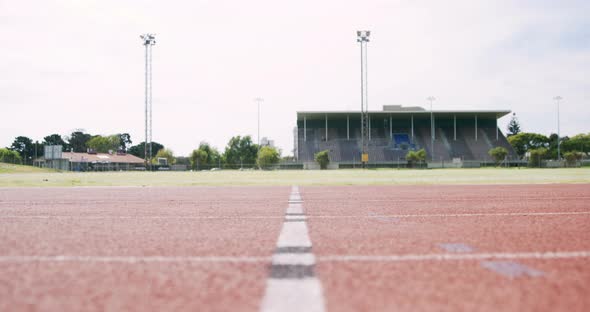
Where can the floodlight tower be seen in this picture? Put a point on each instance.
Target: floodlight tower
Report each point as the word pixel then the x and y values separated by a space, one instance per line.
pixel 148 40
pixel 557 99
pixel 362 37
pixel 259 100
pixel 431 99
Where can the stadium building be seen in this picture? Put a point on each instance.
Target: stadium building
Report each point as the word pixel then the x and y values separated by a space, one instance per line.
pixel 461 138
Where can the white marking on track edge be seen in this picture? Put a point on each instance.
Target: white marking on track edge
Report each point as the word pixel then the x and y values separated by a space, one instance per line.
pixel 288 295
pixel 294 286
pixel 140 217
pixel 295 217
pixel 133 260
pixel 294 259
pixel 297 208
pixel 452 257
pixel 294 234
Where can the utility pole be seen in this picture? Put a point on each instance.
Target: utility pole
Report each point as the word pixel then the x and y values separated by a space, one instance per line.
pixel 363 39
pixel 148 40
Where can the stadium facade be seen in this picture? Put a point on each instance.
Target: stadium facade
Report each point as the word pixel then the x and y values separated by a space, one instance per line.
pixel 459 136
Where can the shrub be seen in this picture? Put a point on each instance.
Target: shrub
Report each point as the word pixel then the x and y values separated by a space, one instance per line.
pixel 267 156
pixel 9 156
pixel 498 154
pixel 414 157
pixel 536 156
pixel 323 159
pixel 571 158
pixel 164 153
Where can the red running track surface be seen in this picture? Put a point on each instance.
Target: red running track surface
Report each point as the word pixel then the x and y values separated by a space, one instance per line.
pixel 209 248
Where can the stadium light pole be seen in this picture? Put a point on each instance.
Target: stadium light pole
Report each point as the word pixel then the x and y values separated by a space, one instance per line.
pixel 148 40
pixel 557 99
pixel 363 39
pixel 431 99
pixel 258 101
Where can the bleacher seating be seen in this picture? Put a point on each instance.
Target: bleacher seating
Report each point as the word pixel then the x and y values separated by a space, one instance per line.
pixel 385 148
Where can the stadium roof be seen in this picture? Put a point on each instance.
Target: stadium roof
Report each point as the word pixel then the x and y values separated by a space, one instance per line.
pixel 419 111
pixel 101 158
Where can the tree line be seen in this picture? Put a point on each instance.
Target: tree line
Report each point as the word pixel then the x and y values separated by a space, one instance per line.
pixel 239 152
pixel 537 147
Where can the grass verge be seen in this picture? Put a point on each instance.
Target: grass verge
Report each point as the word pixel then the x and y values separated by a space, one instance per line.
pixel 297 177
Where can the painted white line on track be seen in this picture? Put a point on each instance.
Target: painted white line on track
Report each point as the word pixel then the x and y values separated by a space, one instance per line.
pixel 294 259
pixel 301 217
pixel 452 257
pixel 297 209
pixel 294 234
pixel 301 259
pixel 134 260
pixel 293 295
pixel 141 217
pixel 450 199
pixel 292 284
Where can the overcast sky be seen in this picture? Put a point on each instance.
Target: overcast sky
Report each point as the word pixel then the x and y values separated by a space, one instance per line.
pixel 75 64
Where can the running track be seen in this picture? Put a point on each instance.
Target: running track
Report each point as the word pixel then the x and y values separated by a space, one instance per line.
pixel 387 248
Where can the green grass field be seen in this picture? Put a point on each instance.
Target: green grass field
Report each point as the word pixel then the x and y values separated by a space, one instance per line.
pixel 10 168
pixel 34 177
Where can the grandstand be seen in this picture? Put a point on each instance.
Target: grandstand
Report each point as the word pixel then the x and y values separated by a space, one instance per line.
pixel 459 136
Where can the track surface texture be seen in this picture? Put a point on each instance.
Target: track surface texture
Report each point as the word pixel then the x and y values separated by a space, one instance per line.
pixel 345 248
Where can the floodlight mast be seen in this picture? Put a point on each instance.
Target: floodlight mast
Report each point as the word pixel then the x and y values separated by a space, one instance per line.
pixel 431 99
pixel 557 99
pixel 148 41
pixel 363 39
pixel 258 101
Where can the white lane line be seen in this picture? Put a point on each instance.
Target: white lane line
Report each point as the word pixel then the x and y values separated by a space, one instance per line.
pixel 301 259
pixel 294 295
pixel 297 209
pixel 139 217
pixel 450 199
pixel 293 259
pixel 296 217
pixel 292 284
pixel 481 214
pixel 134 260
pixel 452 257
pixel 294 234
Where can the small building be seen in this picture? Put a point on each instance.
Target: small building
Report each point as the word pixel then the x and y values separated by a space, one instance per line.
pixel 70 161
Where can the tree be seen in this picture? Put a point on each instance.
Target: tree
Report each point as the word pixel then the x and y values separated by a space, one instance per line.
pixel 536 157
pixel 55 139
pixel 77 140
pixel 103 144
pixel 205 155
pixel 267 156
pixel 572 158
pixel 164 153
pixel 526 141
pixel 8 156
pixel 139 149
pixel 24 147
pixel 323 159
pixel 579 142
pixel 415 157
pixel 498 154
pixel 513 126
pixel 240 150
pixel 124 141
